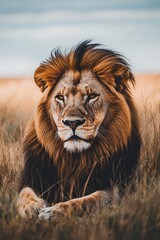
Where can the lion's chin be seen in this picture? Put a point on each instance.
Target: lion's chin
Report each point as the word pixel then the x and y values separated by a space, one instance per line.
pixel 76 145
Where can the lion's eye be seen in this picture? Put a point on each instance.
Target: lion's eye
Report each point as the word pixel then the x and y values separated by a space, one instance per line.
pixel 59 97
pixel 92 96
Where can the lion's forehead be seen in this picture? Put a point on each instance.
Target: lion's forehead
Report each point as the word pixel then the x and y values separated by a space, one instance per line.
pixel 86 83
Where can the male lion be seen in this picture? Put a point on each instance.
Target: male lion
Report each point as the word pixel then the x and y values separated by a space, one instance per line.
pixel 84 140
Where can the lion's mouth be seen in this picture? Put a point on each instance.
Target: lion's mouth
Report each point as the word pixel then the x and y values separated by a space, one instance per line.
pixel 77 144
pixel 77 138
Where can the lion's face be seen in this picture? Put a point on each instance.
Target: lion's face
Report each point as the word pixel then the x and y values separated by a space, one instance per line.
pixel 78 109
pixel 87 101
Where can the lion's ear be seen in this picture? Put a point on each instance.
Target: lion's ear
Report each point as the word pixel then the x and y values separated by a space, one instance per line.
pixel 39 78
pixel 122 77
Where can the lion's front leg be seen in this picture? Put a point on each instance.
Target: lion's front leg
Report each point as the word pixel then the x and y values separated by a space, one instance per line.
pixel 29 204
pixel 78 206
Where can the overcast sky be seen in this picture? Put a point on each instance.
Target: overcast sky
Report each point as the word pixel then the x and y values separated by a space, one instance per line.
pixel 29 30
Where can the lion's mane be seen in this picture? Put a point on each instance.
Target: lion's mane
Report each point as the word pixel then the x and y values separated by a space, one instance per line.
pixel 58 175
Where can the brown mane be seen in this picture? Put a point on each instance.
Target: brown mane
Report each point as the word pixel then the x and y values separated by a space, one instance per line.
pixel 114 152
pixel 85 56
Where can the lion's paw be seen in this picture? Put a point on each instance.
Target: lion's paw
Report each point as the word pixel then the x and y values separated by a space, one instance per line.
pixel 29 205
pixel 53 213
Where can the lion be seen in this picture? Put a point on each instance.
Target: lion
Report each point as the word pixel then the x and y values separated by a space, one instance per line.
pixel 82 147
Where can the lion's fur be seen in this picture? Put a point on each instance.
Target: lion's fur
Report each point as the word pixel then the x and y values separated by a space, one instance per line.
pixel 59 175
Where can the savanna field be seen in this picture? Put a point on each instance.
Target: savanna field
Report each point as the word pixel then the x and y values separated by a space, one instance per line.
pixel 138 214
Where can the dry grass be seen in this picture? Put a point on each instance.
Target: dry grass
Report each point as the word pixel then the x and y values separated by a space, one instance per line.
pixel 137 216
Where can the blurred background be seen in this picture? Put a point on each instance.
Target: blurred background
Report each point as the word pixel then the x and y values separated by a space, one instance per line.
pixel 29 30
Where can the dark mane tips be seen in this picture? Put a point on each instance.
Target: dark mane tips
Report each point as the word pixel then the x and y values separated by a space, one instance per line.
pixel 88 56
pixel 80 51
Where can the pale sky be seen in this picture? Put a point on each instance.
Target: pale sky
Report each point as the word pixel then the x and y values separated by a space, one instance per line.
pixel 29 30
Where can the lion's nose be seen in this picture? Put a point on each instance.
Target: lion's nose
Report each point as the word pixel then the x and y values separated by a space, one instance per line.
pixel 73 124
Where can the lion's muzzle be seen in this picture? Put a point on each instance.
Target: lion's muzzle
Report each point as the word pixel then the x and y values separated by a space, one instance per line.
pixel 73 124
pixel 74 141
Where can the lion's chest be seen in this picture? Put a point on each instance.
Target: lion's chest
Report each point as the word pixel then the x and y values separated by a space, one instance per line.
pixel 66 183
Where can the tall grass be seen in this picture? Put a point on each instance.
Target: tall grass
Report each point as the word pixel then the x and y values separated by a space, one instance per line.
pixel 137 216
